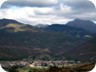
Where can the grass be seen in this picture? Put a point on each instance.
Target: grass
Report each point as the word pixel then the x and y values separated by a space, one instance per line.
pixel 28 69
pixel 76 68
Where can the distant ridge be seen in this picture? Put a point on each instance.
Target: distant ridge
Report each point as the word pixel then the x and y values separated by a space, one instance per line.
pixel 5 21
pixel 84 24
pixel 15 26
pixel 67 29
pixel 41 25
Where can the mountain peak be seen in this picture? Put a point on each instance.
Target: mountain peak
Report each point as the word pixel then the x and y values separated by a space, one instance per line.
pixel 77 19
pixel 41 25
pixel 11 25
pixel 81 20
pixel 7 21
pixel 84 24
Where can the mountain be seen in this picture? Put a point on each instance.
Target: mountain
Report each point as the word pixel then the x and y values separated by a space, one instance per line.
pixel 15 26
pixel 18 41
pixel 4 22
pixel 84 24
pixel 67 29
pixel 41 25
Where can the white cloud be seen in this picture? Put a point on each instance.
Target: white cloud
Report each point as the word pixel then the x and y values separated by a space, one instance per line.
pixel 64 9
pixel 34 15
pixel 93 1
pixel 60 13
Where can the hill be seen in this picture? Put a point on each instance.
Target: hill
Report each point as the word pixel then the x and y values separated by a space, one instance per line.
pixel 70 30
pixel 85 51
pixel 84 24
pixel 18 41
pixel 15 26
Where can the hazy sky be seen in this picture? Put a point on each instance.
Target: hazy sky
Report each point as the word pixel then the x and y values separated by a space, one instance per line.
pixel 47 11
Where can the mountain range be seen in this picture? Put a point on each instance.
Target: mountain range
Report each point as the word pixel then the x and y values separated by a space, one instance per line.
pixel 18 40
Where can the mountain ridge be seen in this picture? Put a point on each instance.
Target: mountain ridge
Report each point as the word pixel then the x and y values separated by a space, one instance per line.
pixel 84 24
pixel 51 42
pixel 15 26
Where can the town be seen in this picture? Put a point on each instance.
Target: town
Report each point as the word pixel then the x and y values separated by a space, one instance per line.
pixel 39 63
pixel 27 65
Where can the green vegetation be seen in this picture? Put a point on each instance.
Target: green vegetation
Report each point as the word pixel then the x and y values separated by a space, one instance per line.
pixel 28 69
pixel 76 68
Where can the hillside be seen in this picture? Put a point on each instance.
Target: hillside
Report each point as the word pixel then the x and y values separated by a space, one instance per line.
pixel 4 22
pixel 15 26
pixel 56 41
pixel 85 51
pixel 84 24
pixel 36 43
pixel 79 32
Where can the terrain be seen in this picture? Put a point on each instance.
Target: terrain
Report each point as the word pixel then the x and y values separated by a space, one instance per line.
pixel 76 68
pixel 52 42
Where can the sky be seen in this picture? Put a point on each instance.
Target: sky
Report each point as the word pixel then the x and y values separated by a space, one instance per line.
pixel 48 11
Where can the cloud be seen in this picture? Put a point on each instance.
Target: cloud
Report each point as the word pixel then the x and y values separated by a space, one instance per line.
pixel 54 11
pixel 80 5
pixel 31 3
pixel 83 9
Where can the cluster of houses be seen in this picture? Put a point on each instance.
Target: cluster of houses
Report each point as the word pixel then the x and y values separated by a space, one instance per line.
pixel 39 63
pixel 46 64
pixel 13 63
